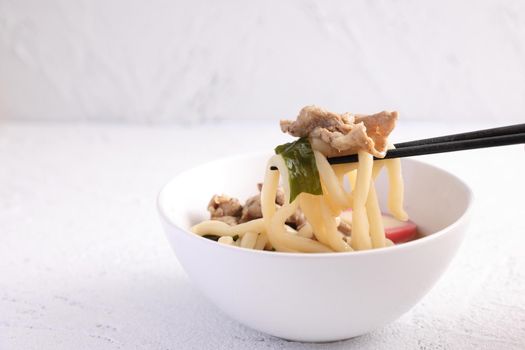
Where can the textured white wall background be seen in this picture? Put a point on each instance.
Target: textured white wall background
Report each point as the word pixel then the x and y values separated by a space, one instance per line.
pixel 131 60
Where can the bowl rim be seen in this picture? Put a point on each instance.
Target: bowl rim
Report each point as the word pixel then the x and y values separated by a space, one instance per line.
pixel 378 251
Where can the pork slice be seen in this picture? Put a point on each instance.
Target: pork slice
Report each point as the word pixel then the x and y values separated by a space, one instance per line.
pixel 335 134
pixel 223 205
pixel 297 220
pixel 345 228
pixel 313 117
pixel 252 208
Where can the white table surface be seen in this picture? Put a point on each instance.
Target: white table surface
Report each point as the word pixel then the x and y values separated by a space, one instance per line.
pixel 84 263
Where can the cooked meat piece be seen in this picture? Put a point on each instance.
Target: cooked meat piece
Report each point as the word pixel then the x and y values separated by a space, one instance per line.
pixel 341 134
pixel 313 117
pixel 345 228
pixel 297 220
pixel 230 220
pixel 229 210
pixel 223 205
pixel 378 127
pixel 335 143
pixel 252 209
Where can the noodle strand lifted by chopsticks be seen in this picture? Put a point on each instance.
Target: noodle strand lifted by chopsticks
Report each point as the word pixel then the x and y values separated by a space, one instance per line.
pixel 320 233
pixel 360 227
pixel 322 210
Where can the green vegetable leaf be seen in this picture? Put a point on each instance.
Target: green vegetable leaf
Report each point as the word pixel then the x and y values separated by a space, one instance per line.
pixel 300 162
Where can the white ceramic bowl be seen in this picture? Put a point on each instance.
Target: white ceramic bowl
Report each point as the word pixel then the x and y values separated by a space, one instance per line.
pixel 314 297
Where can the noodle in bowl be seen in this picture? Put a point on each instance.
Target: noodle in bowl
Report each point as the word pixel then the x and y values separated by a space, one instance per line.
pixel 315 297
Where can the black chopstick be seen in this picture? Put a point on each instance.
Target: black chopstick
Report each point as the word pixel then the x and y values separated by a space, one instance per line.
pixel 441 147
pixel 501 131
pixel 502 136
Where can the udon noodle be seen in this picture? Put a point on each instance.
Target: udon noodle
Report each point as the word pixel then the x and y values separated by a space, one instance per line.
pixel 343 187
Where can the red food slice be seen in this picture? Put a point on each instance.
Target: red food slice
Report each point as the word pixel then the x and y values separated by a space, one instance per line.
pixel 395 230
pixel 399 231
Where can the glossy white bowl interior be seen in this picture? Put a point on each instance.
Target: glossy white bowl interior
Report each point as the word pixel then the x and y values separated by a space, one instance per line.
pixel 314 297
